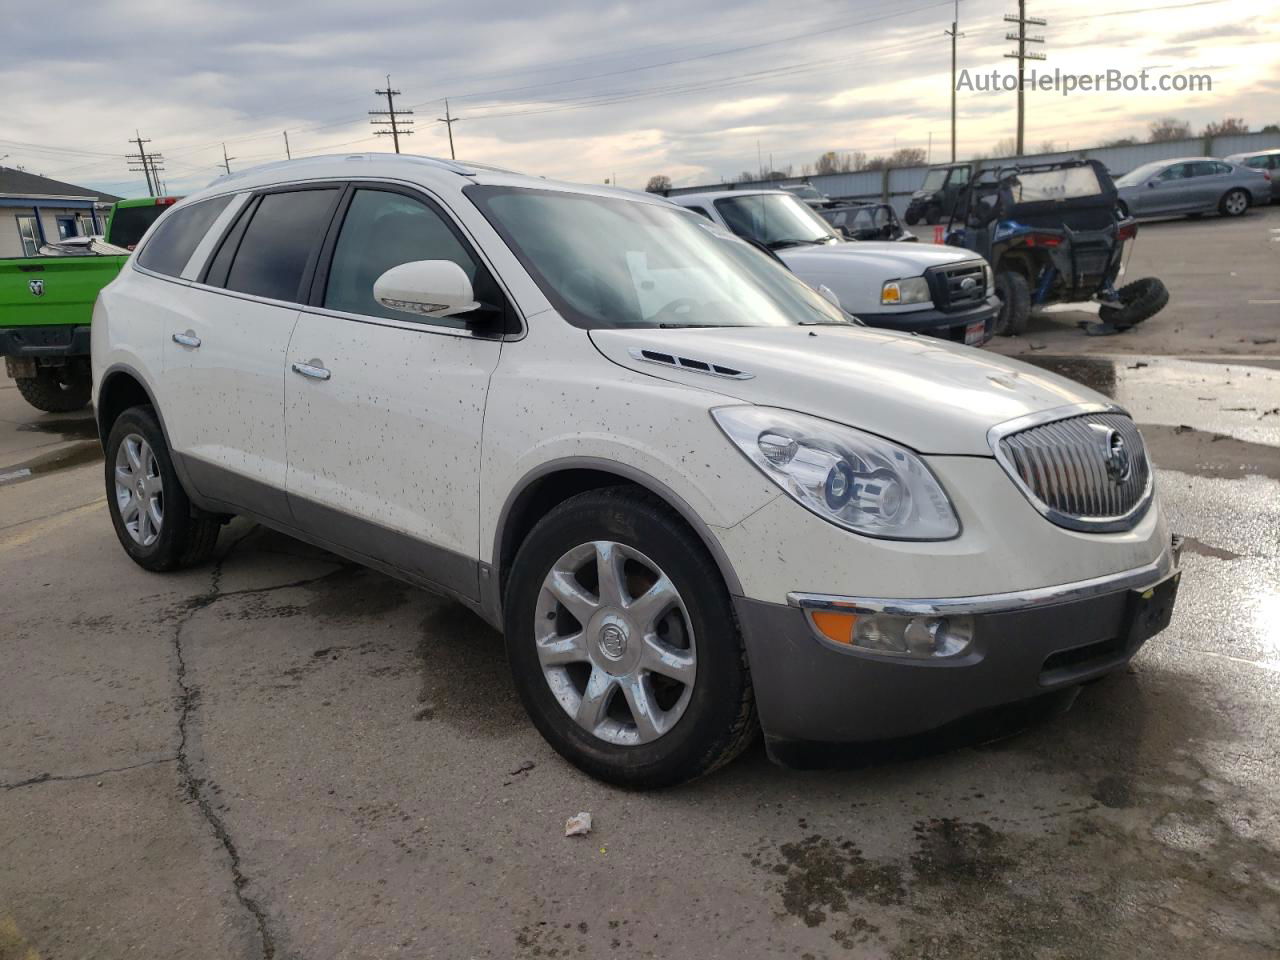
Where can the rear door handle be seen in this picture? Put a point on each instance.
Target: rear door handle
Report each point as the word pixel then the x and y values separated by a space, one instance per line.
pixel 187 339
pixel 313 370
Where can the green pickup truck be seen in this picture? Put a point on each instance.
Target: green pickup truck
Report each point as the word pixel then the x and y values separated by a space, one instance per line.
pixel 46 304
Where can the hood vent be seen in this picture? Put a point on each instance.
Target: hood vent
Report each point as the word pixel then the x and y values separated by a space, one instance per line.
pixel 690 364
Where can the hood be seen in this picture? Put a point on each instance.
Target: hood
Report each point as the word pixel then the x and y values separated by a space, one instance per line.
pixel 932 396
pixel 891 257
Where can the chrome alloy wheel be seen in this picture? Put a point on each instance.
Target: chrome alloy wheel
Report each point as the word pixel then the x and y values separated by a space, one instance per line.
pixel 1236 203
pixel 615 643
pixel 139 490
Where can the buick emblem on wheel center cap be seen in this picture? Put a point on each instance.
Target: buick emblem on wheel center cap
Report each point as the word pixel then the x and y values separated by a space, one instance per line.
pixel 613 641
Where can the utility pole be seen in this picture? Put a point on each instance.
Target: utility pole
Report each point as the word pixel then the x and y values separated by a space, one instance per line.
pixel 141 158
pixel 449 120
pixel 955 34
pixel 226 161
pixel 398 126
pixel 287 154
pixel 1023 54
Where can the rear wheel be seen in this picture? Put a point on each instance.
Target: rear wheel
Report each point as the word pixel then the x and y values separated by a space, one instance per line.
pixel 153 518
pixel 1015 303
pixel 1142 300
pixel 623 642
pixel 56 389
pixel 1234 203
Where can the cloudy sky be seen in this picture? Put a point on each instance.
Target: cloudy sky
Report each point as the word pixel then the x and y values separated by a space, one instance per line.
pixel 583 90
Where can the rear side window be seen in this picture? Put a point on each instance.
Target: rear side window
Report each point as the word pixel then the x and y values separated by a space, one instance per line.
pixel 177 237
pixel 1258 163
pixel 278 243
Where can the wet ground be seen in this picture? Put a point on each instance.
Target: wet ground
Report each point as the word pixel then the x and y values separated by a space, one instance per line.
pixel 281 755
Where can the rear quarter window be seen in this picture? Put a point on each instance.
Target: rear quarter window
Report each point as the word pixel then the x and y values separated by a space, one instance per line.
pixel 178 235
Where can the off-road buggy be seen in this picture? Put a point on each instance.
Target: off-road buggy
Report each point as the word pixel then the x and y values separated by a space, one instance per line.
pixel 1053 233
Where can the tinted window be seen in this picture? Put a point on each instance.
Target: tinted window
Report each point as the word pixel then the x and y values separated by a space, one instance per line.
pixel 1179 171
pixel 1222 168
pixel 1207 168
pixel 701 211
pixel 382 230
pixel 175 239
pixel 285 230
pixel 1258 163
pixel 128 224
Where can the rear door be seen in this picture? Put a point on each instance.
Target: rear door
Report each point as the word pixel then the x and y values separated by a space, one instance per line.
pixel 384 408
pixel 224 359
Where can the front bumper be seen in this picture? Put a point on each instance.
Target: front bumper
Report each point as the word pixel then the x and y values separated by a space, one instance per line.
pixel 810 690
pixel 938 323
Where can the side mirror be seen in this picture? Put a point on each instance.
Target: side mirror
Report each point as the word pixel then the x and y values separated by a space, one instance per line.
pixel 429 288
pixel 1153 183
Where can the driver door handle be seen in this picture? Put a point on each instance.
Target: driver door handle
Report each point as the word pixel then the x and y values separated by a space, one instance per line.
pixel 187 339
pixel 313 370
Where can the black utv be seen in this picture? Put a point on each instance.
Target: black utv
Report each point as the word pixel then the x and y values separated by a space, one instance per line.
pixel 1054 233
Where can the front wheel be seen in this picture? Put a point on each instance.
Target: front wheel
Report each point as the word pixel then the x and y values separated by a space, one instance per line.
pixel 56 389
pixel 1015 303
pixel 152 516
pixel 911 218
pixel 623 642
pixel 1234 203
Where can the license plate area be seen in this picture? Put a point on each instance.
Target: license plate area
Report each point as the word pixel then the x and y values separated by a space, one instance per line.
pixel 1149 611
pixel 976 333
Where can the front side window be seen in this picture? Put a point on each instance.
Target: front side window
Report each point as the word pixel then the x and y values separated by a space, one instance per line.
pixel 285 231
pixel 176 238
pixel 29 233
pixel 775 219
pixel 382 230
pixel 959 176
pixel 1179 171
pixel 611 263
pixel 1140 174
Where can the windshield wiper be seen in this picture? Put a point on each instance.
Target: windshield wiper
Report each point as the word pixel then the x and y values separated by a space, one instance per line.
pixel 798 241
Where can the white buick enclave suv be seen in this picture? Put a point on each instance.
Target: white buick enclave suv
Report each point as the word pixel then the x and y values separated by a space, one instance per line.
pixel 698 498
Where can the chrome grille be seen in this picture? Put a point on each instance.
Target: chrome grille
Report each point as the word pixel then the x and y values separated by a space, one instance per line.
pixel 1085 472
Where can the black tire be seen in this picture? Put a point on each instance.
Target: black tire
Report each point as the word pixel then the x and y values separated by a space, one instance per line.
pixel 56 389
pixel 911 218
pixel 1015 303
pixel 933 215
pixel 719 720
pixel 1234 203
pixel 1142 300
pixel 187 536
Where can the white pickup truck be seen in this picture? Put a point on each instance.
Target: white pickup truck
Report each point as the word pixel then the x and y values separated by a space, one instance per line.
pixel 920 287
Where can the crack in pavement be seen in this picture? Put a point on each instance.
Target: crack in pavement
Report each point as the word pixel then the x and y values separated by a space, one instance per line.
pixel 64 777
pixel 191 783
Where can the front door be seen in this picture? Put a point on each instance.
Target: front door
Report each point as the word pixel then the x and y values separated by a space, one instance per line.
pixel 223 396
pixel 384 409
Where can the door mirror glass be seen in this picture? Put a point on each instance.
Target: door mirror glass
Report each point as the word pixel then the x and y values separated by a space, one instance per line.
pixel 428 288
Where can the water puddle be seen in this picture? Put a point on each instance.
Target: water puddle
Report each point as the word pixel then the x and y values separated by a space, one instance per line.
pixel 81 428
pixel 73 455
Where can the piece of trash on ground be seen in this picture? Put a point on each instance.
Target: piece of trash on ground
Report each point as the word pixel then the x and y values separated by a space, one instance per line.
pixel 578 825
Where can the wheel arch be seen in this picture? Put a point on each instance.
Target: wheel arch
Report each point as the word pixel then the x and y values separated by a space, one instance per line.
pixel 122 387
pixel 556 481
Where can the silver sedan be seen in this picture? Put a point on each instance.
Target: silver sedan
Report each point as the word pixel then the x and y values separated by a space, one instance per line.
pixel 1192 186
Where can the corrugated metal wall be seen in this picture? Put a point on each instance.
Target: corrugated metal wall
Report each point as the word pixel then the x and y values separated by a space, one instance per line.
pixel 871 184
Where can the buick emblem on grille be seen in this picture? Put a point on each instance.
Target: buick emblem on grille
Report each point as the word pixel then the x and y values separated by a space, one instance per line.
pixel 36 287
pixel 1115 455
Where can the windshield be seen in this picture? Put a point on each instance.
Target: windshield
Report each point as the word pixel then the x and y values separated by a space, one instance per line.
pixel 934 179
pixel 774 219
pixel 805 191
pixel 609 262
pixel 1139 174
pixel 1065 183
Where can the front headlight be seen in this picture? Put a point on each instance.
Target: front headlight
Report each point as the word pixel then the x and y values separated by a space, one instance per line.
pixel 909 290
pixel 853 479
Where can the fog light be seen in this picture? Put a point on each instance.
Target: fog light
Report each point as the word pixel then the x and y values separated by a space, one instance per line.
pixel 919 637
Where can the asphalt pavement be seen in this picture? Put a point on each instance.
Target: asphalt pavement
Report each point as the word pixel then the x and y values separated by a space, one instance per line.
pixel 284 755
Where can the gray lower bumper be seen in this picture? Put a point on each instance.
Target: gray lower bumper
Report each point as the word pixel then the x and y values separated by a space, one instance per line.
pixel 809 691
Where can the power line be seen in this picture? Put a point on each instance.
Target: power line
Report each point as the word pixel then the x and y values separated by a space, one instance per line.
pixel 1022 54
pixel 392 115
